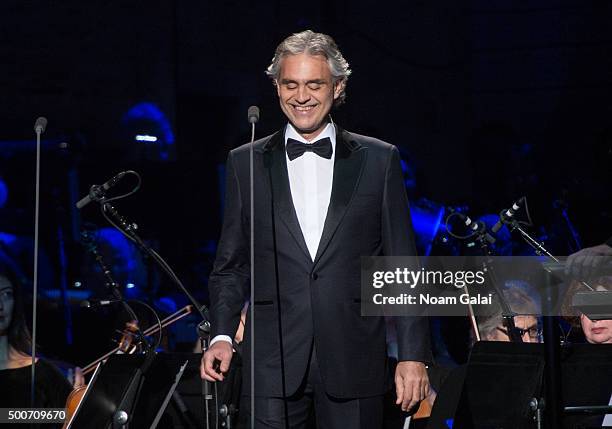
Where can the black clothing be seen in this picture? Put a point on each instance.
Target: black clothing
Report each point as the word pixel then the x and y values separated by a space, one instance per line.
pixel 51 389
pixel 359 413
pixel 322 147
pixel 319 300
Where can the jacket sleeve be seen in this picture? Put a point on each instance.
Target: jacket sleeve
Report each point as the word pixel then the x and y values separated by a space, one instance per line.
pixel 230 277
pixel 398 240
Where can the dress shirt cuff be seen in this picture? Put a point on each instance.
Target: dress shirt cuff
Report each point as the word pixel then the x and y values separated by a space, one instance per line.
pixel 221 338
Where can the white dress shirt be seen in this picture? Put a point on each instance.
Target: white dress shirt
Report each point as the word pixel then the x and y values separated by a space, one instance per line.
pixel 310 182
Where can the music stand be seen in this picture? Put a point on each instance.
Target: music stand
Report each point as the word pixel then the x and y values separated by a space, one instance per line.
pixel 499 385
pixel 597 305
pixel 493 390
pixel 587 375
pixel 559 368
pixel 115 400
pixel 159 384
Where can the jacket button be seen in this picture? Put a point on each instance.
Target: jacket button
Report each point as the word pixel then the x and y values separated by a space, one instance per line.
pixel 314 276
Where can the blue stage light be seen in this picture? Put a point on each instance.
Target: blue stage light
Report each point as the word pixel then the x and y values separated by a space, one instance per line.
pixel 3 192
pixel 146 123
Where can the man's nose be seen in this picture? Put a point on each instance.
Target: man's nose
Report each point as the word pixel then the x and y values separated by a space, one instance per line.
pixel 303 95
pixel 528 339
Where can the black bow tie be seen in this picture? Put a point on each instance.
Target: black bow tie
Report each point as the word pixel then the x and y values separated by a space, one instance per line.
pixel 322 147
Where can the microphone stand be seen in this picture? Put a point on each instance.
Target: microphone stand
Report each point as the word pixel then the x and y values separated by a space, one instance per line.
pixel 253 118
pixel 203 331
pixel 129 230
pixel 39 128
pixel 551 331
pixel 537 246
pixel 113 286
pixel 485 239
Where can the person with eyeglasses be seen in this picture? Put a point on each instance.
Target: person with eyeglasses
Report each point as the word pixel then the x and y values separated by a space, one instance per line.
pixel 530 334
pixel 492 326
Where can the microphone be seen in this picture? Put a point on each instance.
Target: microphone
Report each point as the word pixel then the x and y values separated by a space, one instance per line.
pixel 476 227
pixel 40 125
pixel 253 114
pixel 98 303
pixel 467 221
pixel 96 192
pixel 506 215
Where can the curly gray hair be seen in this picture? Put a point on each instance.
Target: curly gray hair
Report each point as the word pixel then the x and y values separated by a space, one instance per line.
pixel 313 44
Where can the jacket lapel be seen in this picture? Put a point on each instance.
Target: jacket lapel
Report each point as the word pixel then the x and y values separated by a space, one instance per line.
pixel 348 166
pixel 284 211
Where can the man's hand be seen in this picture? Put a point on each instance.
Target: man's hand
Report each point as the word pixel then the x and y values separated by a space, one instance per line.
pixel 411 383
pixel 584 264
pixel 220 352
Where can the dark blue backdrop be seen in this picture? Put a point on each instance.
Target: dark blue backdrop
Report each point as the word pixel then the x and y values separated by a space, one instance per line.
pixel 487 100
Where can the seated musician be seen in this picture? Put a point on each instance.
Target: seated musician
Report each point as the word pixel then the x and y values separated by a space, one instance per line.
pixel 492 327
pixel 598 331
pixel 594 331
pixel 52 388
pixel 584 265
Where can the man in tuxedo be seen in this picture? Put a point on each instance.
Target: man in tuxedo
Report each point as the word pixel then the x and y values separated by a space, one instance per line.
pixel 324 197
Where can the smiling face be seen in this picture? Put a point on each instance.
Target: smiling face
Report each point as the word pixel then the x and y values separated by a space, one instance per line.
pixel 6 304
pixel 598 331
pixel 306 92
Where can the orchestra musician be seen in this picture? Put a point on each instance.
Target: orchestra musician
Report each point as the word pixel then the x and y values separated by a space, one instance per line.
pixel 51 388
pixel 492 326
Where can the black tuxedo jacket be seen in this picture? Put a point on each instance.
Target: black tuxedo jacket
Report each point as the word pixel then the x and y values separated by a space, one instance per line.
pixel 320 299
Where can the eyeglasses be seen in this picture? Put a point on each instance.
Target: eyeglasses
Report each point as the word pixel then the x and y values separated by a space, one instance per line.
pixel 534 332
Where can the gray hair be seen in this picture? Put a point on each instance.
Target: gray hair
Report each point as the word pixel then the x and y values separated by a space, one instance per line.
pixel 313 44
pixel 520 302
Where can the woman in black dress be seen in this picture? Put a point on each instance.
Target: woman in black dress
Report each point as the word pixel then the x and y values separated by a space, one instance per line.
pixel 52 388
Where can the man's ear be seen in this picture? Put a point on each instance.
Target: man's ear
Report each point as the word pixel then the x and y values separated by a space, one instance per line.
pixel 277 87
pixel 339 87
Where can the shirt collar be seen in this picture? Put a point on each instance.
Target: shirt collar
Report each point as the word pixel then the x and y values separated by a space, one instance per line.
pixel 328 131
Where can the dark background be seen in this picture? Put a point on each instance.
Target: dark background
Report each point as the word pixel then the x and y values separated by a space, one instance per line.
pixel 488 101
